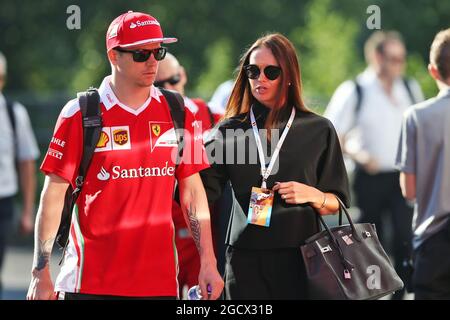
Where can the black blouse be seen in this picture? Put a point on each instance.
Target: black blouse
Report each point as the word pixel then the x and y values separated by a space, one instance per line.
pixel 310 154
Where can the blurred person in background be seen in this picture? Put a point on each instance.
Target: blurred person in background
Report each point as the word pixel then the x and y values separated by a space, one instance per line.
pixel 367 114
pixel 18 154
pixel 424 160
pixel 220 97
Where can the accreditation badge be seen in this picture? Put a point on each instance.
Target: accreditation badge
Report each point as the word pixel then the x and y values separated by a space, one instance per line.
pixel 260 208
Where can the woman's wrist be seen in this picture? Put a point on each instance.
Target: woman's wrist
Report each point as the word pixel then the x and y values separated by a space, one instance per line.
pixel 321 201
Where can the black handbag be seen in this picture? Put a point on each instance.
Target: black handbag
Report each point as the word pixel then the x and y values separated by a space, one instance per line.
pixel 347 262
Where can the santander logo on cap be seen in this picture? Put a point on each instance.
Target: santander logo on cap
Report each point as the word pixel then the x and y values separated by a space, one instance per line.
pixel 143 23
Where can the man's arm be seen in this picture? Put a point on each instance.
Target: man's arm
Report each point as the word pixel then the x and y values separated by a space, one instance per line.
pixel 408 185
pixel 196 213
pixel 47 223
pixel 27 173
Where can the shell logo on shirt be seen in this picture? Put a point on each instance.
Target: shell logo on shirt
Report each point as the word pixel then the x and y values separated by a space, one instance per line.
pixel 121 139
pixel 104 139
pixel 162 134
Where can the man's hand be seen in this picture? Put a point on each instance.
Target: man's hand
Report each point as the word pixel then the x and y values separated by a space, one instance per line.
pixel 27 174
pixel 210 276
pixel 47 223
pixel 41 285
pixel 196 213
pixel 369 163
pixel 26 222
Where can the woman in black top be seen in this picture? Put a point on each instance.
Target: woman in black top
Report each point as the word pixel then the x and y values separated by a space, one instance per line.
pixel 263 261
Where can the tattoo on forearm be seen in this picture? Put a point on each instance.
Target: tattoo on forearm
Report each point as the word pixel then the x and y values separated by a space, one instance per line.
pixel 44 250
pixel 195 226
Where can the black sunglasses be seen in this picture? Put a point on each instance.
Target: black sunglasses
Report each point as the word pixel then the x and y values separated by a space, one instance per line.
pixel 173 80
pixel 143 55
pixel 271 72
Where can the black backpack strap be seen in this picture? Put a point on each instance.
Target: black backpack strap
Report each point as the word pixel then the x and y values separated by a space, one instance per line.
pixel 89 102
pixel 12 120
pixel 92 127
pixel 408 89
pixel 359 96
pixel 211 117
pixel 11 116
pixel 176 107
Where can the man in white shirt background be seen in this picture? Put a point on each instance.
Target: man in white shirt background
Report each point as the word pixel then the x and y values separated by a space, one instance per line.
pixel 18 152
pixel 367 114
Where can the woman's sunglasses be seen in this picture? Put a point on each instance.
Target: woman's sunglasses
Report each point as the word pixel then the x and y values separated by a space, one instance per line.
pixel 143 55
pixel 173 80
pixel 271 72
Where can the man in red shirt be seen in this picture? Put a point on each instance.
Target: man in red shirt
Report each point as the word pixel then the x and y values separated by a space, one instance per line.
pixel 121 238
pixel 172 76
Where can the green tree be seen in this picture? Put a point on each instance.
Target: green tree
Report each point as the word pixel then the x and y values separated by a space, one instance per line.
pixel 328 52
pixel 219 63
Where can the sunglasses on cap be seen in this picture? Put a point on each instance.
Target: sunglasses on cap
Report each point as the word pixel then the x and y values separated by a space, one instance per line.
pixel 271 72
pixel 143 55
pixel 173 80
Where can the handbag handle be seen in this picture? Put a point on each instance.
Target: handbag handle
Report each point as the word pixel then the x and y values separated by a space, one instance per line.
pixel 347 264
pixel 347 214
pixel 349 218
pixel 341 205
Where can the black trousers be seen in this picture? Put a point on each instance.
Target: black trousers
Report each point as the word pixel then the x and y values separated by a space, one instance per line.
pixel 431 277
pixel 264 274
pixel 380 194
pixel 6 218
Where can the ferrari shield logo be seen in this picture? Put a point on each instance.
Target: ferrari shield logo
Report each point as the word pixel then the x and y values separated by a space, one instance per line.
pixel 156 129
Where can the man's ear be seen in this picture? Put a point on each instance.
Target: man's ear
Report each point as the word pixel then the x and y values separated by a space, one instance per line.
pixel 112 56
pixel 183 75
pixel 434 72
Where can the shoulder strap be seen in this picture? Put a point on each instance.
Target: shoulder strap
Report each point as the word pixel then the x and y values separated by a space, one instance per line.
pixel 359 93
pixel 12 120
pixel 92 126
pixel 11 116
pixel 408 89
pixel 176 107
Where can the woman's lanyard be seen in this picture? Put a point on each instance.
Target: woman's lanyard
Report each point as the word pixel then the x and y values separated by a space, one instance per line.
pixel 266 172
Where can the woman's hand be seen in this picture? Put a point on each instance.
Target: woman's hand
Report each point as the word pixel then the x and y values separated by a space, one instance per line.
pixel 298 193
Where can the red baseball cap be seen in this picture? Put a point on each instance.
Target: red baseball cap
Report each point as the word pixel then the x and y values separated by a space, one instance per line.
pixel 134 28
